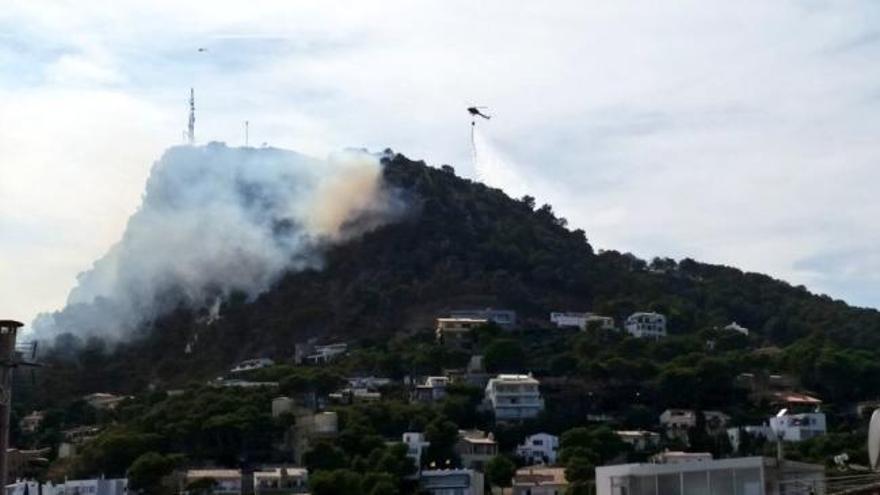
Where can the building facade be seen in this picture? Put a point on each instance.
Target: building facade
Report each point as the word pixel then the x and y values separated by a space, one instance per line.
pixel 582 321
pixel 97 486
pixel 281 481
pixel 416 445
pixel 540 448
pixel 540 480
pixel 736 476
pixel 798 427
pixel 224 481
pixel 475 448
pixel 514 397
pixel 646 325
pixel 639 440
pixel 451 482
pixel 431 390
pixel 677 422
pixel 457 332
pixel 504 318
pixel 252 364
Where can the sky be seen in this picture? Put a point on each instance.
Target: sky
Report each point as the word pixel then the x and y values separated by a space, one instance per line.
pixel 738 133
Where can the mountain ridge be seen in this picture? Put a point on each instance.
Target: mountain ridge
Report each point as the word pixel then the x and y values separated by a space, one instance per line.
pixel 464 244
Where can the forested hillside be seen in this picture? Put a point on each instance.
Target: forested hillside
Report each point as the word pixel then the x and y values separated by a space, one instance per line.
pixel 460 245
pixel 463 244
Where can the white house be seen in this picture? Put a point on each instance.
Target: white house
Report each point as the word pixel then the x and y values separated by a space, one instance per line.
pixel 736 327
pixel 540 480
pixel 368 382
pixel 505 318
pixel 431 390
pixel 798 427
pixel 252 364
pixel 457 332
pixel 514 397
pixel 97 486
pixel 29 486
pixel 475 448
pixel 416 445
pixel 226 481
pixel 646 325
pixel 581 320
pixel 677 422
pixel 678 457
pixel 104 401
pixel 540 448
pixel 281 481
pixel 282 405
pixel 326 353
pixel 640 440
pixel 740 476
pixel 451 482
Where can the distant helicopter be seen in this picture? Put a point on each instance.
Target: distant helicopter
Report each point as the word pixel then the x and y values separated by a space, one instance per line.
pixel 475 111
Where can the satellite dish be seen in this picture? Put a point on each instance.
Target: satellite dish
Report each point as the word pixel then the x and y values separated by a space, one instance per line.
pixel 874 439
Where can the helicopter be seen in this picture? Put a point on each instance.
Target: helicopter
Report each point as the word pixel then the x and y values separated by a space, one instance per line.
pixel 475 111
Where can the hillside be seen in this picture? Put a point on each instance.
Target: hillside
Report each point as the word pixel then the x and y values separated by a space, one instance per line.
pixel 461 244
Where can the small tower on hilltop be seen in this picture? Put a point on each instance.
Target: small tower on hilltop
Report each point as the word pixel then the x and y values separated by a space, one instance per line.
pixel 191 127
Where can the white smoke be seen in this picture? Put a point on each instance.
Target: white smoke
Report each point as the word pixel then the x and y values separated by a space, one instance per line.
pixel 216 219
pixel 495 169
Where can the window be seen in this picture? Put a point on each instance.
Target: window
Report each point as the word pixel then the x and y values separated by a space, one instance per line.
pixel 669 484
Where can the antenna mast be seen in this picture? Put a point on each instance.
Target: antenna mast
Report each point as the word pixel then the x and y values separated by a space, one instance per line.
pixel 246 129
pixel 191 128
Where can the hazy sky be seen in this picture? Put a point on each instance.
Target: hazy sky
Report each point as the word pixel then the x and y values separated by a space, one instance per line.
pixel 743 133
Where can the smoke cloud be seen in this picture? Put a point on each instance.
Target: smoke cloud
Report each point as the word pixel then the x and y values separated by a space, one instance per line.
pixel 216 219
pixel 495 169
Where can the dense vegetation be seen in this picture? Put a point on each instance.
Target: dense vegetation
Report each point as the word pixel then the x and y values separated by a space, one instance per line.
pixel 462 245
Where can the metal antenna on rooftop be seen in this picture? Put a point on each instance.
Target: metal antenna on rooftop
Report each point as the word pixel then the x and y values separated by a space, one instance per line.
pixel 191 128
pixel 246 126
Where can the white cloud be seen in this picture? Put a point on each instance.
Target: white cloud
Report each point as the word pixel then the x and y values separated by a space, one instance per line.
pixel 735 133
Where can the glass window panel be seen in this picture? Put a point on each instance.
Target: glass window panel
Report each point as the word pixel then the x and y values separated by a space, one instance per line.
pixel 696 483
pixel 645 485
pixel 721 482
pixel 748 481
pixel 669 484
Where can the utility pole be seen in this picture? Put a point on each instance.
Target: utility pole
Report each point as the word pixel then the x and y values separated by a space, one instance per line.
pixel 8 362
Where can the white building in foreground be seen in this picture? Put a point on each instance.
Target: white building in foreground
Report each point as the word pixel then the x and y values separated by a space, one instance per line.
pixel 514 397
pixel 646 325
pixel 736 476
pixel 540 448
pixel 451 482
